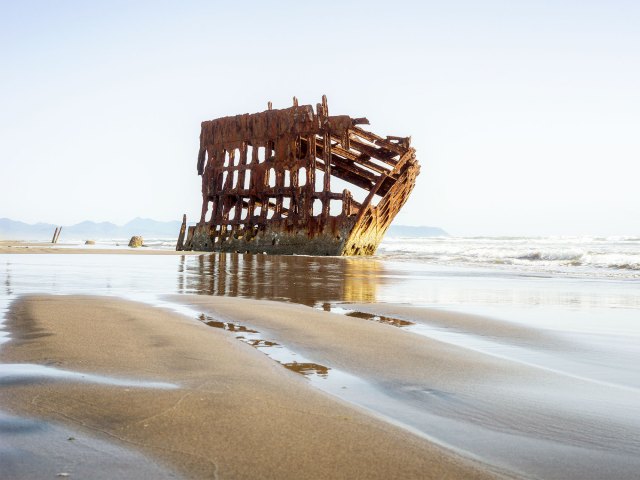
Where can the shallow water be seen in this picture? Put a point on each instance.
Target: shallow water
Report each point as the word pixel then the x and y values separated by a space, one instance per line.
pixel 572 331
pixel 25 373
pixel 37 450
pixel 582 256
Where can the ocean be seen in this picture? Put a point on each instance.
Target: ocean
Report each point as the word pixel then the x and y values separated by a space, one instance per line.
pixel 588 257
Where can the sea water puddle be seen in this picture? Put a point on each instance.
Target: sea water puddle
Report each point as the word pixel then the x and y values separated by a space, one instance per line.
pixel 26 373
pixel 281 354
pixel 286 357
pixel 514 353
pixel 396 322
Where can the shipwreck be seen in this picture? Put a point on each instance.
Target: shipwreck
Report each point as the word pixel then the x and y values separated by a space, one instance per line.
pixel 298 181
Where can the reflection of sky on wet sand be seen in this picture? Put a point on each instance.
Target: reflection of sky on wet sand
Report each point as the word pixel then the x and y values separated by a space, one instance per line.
pixel 25 373
pixel 552 302
pixel 560 303
pixel 311 281
pixel 33 450
pixel 316 280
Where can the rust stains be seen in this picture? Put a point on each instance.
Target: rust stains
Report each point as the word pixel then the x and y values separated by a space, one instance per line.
pixel 281 181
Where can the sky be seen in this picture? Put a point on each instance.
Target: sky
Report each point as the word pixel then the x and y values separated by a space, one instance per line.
pixel 525 115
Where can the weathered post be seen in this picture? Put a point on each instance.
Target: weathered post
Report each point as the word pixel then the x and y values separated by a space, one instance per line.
pixel 55 234
pixel 183 228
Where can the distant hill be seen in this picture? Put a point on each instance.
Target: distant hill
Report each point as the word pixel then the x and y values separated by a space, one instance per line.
pixel 407 231
pixel 14 230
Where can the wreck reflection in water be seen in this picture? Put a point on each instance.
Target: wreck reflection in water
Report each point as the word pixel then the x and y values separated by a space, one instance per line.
pixel 281 354
pixel 309 281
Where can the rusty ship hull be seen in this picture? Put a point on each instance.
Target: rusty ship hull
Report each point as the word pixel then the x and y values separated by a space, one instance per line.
pixel 281 181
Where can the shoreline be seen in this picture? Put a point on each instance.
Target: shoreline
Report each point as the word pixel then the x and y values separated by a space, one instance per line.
pixel 19 247
pixel 235 413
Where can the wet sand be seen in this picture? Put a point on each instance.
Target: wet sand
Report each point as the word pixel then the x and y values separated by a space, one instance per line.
pixel 492 401
pixel 234 414
pixel 532 375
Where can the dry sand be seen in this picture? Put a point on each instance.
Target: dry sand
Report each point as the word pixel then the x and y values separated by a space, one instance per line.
pixel 20 247
pixel 236 413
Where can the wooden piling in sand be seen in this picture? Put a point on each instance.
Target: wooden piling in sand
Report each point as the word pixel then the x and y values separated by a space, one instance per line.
pixel 183 228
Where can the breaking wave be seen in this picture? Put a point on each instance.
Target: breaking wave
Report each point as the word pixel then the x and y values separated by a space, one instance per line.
pixel 611 256
pixel 625 266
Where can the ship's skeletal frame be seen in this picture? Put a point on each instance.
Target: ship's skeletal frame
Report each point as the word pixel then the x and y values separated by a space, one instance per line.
pixel 269 183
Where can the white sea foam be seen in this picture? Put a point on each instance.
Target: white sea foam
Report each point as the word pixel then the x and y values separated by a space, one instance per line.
pixel 612 256
pixel 617 256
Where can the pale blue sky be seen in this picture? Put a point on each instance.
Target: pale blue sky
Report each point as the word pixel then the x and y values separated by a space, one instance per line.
pixel 525 115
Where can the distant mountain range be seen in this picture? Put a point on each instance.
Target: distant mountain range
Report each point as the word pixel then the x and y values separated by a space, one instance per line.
pixel 146 227
pixel 14 230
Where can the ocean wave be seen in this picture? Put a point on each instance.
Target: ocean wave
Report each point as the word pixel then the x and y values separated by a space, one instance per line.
pixel 625 266
pixel 553 255
pixel 583 255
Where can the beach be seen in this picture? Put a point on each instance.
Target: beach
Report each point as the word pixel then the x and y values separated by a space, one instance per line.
pixel 257 366
pixel 232 412
pixel 26 247
pixel 220 260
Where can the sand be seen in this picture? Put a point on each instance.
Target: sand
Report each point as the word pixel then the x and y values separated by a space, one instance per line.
pixel 234 414
pixel 21 247
pixel 510 412
pixel 374 350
